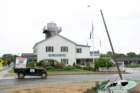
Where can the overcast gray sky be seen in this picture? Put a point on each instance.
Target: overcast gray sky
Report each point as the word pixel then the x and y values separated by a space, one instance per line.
pixel 22 21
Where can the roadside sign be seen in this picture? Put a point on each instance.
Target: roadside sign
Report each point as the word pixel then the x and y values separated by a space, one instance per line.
pixel 21 62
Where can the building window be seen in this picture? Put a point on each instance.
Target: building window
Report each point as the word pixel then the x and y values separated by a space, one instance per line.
pixel 49 48
pixel 65 61
pixel 79 50
pixel 64 49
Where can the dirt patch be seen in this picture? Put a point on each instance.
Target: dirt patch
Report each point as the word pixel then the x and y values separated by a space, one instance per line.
pixel 82 87
pixel 56 88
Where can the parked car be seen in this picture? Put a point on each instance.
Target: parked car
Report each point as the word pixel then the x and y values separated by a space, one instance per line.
pixel 21 69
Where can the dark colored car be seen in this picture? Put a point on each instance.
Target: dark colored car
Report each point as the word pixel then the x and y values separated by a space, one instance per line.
pixel 38 71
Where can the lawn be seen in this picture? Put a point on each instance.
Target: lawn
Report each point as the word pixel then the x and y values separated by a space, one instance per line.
pixel 61 72
pixel 69 72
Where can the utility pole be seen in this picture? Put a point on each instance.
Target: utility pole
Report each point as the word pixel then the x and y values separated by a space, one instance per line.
pixel 111 45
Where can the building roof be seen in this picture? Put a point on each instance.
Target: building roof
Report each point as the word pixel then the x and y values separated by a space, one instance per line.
pixel 61 37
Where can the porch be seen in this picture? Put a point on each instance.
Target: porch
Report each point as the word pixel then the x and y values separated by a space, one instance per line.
pixel 84 62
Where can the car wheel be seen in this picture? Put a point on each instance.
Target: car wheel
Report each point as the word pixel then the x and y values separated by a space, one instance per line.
pixel 44 75
pixel 20 75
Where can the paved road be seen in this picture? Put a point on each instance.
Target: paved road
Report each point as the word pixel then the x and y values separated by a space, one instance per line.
pixel 10 83
pixel 4 72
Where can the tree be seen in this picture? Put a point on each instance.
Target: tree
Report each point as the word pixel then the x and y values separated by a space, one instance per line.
pixel 8 58
pixel 119 55
pixel 102 62
pixel 138 55
pixel 131 54
pixel 109 54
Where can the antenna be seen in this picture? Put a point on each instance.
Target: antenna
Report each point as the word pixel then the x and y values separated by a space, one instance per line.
pixel 111 45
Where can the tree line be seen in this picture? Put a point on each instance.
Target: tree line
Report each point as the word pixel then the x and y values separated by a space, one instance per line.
pixel 121 55
pixel 8 58
pixel 104 60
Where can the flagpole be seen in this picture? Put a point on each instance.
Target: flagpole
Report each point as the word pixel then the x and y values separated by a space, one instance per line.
pixel 109 38
pixel 93 42
pixel 92 39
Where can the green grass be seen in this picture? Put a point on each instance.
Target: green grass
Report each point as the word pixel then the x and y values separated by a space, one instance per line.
pixel 69 72
pixel 134 65
pixel 11 71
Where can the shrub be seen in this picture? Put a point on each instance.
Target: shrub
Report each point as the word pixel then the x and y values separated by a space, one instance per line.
pixel 59 66
pixel 88 68
pixel 74 64
pixel 133 65
pixel 31 64
pixel 78 67
pixel 68 68
pixel 42 64
pixel 51 68
pixel 102 62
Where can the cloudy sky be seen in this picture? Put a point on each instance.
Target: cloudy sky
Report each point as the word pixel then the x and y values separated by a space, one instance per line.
pixel 22 21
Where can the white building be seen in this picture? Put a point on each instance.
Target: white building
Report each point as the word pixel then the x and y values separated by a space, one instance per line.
pixel 58 48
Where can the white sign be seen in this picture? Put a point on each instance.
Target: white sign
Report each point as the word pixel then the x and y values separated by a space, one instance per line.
pixel 21 62
pixel 56 55
pixel 32 70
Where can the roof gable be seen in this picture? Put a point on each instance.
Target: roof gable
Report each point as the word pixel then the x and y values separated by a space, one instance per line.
pixel 62 38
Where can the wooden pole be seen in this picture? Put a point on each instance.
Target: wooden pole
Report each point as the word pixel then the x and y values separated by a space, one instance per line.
pixel 109 38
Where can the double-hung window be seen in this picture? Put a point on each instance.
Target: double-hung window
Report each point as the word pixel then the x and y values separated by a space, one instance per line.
pixel 79 50
pixel 64 49
pixel 49 48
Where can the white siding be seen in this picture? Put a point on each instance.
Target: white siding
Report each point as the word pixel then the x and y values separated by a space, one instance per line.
pixel 56 42
pixel 85 52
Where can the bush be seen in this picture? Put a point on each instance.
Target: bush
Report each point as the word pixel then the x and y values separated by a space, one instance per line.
pixel 102 62
pixel 31 64
pixel 78 67
pixel 88 68
pixel 133 65
pixel 59 66
pixel 66 68
pixel 70 68
pixel 42 64
pixel 51 68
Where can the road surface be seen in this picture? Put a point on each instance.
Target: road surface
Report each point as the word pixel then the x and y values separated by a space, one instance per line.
pixel 33 81
pixel 4 72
